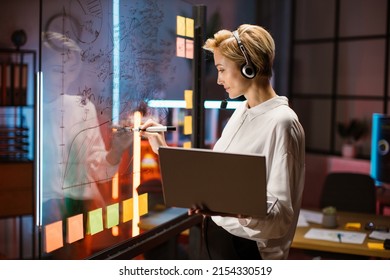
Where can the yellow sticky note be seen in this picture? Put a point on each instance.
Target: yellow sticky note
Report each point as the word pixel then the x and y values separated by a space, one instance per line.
pixel 53 238
pixel 356 226
pixel 95 221
pixel 188 98
pixel 180 47
pixel 127 210
pixel 187 125
pixel 190 27
pixel 112 218
pixel 187 145
pixel 189 49
pixel 181 25
pixel 74 228
pixel 143 204
pixel 374 245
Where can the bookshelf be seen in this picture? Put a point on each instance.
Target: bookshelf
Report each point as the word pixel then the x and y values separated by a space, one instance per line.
pixel 17 104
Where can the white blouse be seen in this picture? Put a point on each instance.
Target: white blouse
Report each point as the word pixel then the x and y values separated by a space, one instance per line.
pixel 271 129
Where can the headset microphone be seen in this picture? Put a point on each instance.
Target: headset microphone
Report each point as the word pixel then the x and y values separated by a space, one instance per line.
pixel 224 104
pixel 248 70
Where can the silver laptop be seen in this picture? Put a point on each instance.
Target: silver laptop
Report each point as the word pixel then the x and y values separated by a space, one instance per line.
pixel 225 183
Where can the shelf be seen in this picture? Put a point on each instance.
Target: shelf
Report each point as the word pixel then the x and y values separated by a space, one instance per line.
pixel 17 118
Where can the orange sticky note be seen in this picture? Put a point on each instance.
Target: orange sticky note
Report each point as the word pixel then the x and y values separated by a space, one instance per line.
pixel 112 218
pixel 180 47
pixel 189 49
pixel 187 125
pixel 188 98
pixel 190 27
pixel 95 221
pixel 180 25
pixel 143 204
pixel 74 228
pixel 53 238
pixel 127 210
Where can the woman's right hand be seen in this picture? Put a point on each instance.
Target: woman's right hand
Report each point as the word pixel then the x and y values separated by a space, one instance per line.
pixel 156 139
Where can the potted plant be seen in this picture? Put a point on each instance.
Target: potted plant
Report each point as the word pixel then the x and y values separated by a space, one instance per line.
pixel 351 133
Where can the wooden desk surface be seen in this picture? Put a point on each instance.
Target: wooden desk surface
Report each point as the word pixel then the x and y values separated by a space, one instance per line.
pixel 356 249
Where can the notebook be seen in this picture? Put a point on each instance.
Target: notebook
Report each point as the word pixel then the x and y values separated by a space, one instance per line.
pixel 225 183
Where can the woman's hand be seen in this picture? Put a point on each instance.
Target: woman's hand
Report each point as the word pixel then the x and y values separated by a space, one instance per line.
pixel 156 139
pixel 203 210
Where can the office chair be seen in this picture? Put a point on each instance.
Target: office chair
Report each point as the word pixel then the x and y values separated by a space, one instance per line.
pixel 351 192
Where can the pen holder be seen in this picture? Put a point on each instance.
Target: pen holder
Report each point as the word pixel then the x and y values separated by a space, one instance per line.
pixel 329 217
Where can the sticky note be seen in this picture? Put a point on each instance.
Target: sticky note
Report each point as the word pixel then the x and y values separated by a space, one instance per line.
pixel 180 47
pixel 355 226
pixel 127 210
pixel 374 245
pixel 180 25
pixel 187 125
pixel 189 49
pixel 187 145
pixel 188 98
pixel 53 238
pixel 143 204
pixel 74 228
pixel 190 27
pixel 95 221
pixel 112 215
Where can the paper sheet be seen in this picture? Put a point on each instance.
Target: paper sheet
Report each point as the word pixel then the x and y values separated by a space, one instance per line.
pixel 379 235
pixel 310 216
pixel 336 235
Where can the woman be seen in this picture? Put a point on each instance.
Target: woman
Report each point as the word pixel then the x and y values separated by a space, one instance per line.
pixel 263 124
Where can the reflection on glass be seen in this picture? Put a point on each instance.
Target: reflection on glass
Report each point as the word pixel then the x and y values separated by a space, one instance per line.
pixel 75 160
pixel 97 72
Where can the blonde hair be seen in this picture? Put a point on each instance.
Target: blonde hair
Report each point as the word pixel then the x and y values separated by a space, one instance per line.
pixel 258 43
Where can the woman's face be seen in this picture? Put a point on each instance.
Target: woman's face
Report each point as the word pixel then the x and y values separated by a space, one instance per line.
pixel 229 76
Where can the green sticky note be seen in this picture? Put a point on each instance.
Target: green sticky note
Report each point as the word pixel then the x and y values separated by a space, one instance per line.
pixel 95 221
pixel 112 218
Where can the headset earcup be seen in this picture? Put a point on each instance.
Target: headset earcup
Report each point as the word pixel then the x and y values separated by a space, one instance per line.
pixel 248 71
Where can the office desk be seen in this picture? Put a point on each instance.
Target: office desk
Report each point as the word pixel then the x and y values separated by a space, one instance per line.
pixel 301 242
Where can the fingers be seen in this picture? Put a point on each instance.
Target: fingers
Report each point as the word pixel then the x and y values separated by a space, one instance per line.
pixel 200 209
pixel 150 123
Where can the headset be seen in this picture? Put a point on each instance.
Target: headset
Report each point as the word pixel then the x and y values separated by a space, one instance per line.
pixel 248 70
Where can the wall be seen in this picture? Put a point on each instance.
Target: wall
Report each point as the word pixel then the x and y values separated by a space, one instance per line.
pixel 19 14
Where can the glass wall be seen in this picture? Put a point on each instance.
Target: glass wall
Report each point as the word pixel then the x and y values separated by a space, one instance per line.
pixel 102 64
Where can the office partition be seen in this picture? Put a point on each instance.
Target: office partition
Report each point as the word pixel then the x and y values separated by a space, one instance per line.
pixel 105 67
